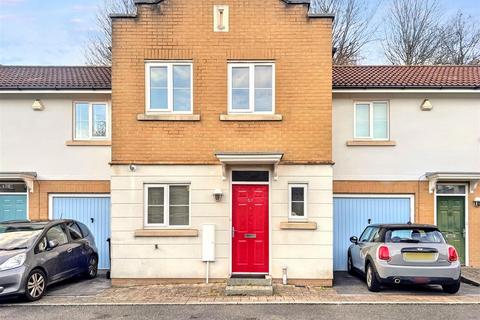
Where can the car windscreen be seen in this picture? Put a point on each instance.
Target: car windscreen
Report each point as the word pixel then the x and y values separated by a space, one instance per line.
pixel 414 235
pixel 18 237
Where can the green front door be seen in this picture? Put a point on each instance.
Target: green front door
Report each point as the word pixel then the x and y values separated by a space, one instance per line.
pixel 451 221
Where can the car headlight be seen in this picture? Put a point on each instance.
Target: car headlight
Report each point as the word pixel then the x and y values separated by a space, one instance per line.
pixel 14 262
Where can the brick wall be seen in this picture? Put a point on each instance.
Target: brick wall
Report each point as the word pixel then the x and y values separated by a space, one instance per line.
pixel 424 205
pixel 38 200
pixel 259 30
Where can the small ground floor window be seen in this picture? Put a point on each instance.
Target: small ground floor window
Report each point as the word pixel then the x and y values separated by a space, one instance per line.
pixel 167 205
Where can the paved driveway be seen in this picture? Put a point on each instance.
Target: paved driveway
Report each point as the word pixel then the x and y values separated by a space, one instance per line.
pixel 347 284
pixel 78 287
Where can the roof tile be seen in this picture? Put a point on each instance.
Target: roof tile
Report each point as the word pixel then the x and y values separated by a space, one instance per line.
pixel 400 77
pixel 54 78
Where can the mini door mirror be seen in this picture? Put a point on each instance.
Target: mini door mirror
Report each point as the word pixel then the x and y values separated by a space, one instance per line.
pixel 52 244
pixel 354 240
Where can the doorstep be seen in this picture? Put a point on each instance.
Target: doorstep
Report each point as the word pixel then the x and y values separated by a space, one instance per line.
pixel 471 276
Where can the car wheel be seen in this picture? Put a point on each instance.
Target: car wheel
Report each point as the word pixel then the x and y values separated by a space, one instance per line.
pixel 35 285
pixel 372 281
pixel 350 269
pixel 92 267
pixel 451 288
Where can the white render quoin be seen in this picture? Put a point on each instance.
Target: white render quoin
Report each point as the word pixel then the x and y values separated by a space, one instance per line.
pixel 307 254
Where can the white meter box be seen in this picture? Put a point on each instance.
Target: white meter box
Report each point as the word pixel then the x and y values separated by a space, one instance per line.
pixel 208 242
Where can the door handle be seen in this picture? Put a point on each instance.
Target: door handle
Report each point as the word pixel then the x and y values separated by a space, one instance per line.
pixel 233 232
pixel 69 250
pixel 91 219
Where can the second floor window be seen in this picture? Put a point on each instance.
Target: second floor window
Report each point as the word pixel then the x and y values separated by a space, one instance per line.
pixel 169 87
pixel 251 88
pixel 91 120
pixel 372 120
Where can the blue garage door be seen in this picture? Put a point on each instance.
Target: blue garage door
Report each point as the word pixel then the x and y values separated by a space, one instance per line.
pixel 13 207
pixel 94 212
pixel 352 215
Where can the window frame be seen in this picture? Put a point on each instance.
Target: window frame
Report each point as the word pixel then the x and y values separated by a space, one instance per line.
pixel 305 201
pixel 371 126
pixel 90 120
pixel 169 65
pixel 251 90
pixel 166 204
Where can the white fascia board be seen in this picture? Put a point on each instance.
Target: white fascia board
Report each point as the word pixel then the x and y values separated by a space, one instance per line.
pixel 406 91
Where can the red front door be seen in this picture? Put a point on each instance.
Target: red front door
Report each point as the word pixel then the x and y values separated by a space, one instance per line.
pixel 250 228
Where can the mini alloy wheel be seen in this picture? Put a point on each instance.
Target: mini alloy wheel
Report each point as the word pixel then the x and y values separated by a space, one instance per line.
pixel 372 282
pixel 36 285
pixel 350 265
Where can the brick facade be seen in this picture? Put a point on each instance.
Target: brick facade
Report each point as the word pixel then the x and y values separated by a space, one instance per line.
pixel 38 200
pixel 301 48
pixel 424 205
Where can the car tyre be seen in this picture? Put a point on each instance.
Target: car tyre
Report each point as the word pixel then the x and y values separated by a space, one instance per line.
pixel 92 269
pixel 36 285
pixel 451 288
pixel 350 268
pixel 372 280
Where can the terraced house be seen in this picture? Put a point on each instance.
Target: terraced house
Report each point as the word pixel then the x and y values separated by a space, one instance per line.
pixel 55 146
pixel 229 145
pixel 222 115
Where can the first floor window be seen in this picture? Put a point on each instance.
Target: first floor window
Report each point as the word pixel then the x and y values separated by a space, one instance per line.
pixel 169 87
pixel 91 120
pixel 251 87
pixel 167 205
pixel 372 120
pixel 297 201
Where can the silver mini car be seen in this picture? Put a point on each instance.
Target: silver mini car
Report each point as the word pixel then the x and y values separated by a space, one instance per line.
pixel 404 254
pixel 34 255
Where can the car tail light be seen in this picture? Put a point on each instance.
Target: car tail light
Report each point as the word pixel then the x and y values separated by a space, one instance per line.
pixel 452 254
pixel 383 253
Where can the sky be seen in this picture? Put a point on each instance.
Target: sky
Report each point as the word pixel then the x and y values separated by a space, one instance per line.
pixel 55 32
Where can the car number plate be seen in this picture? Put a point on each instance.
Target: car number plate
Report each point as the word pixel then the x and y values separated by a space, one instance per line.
pixel 419 256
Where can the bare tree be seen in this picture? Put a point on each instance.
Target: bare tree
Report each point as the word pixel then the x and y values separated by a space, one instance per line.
pixel 99 46
pixel 412 34
pixel 459 41
pixel 352 27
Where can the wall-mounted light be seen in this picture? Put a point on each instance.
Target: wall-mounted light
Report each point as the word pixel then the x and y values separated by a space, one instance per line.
pixel 217 194
pixel 476 202
pixel 426 105
pixel 38 105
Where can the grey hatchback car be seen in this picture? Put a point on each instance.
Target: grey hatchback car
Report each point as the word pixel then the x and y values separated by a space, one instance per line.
pixel 34 255
pixel 404 254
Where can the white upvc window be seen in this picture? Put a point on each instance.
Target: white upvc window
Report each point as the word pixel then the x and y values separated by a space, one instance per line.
pixel 251 87
pixel 169 87
pixel 371 120
pixel 91 121
pixel 297 201
pixel 167 205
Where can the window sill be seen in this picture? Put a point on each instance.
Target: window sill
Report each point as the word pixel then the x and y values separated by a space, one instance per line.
pixel 166 233
pixel 300 225
pixel 168 117
pixel 89 143
pixel 371 143
pixel 251 117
